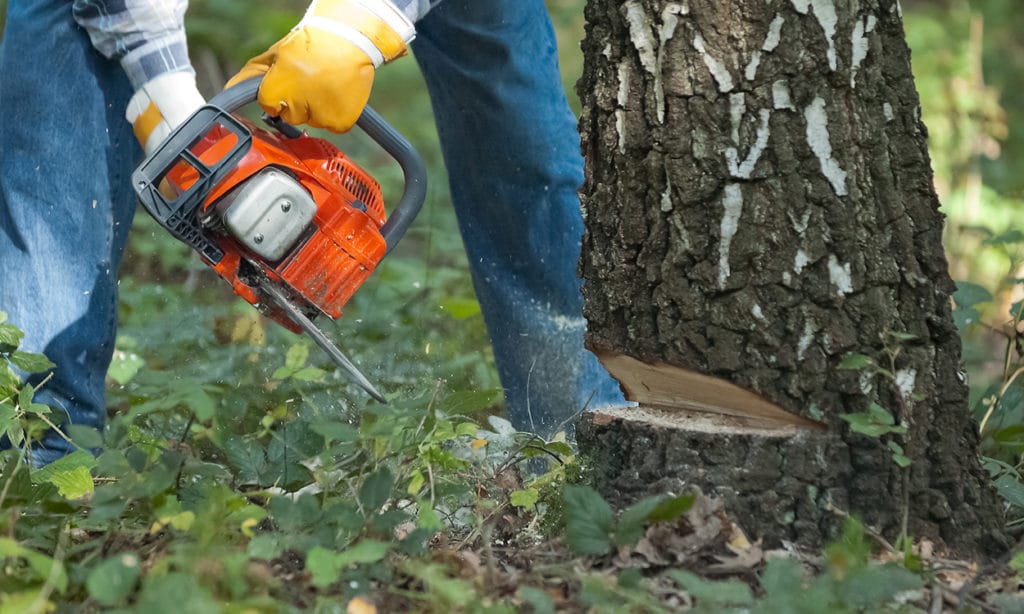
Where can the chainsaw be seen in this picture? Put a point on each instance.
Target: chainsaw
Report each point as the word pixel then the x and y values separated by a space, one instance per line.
pixel 288 220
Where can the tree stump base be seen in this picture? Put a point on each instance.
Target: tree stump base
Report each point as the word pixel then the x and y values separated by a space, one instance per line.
pixel 779 484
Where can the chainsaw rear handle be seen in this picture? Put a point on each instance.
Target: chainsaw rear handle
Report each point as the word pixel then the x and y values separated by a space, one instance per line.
pixel 414 171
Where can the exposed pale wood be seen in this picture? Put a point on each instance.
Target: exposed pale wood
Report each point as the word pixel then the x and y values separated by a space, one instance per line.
pixel 666 388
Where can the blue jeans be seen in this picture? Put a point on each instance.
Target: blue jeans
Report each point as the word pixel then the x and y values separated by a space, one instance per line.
pixel 512 151
pixel 66 204
pixel 510 143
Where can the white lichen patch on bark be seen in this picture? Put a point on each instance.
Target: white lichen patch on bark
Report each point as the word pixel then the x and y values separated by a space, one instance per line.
pixel 905 380
pixel 684 235
pixel 752 65
pixel 867 382
pixel 799 225
pixel 669 21
pixel 840 276
pixel 780 95
pixel 732 203
pixel 771 41
pixel 810 329
pixel 818 139
pixel 716 67
pixel 737 108
pixel 800 260
pixel 756 312
pixel 621 98
pixel 666 196
pixel 640 33
pixel 887 111
pixel 650 50
pixel 825 13
pixel 859 45
pixel 743 170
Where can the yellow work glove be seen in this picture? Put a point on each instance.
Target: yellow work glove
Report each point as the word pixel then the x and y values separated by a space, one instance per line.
pixel 160 105
pixel 321 73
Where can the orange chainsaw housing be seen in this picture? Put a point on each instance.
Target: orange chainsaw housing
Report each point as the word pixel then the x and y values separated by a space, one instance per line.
pixel 339 250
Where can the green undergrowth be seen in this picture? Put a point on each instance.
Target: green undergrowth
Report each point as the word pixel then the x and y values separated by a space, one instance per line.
pixel 240 473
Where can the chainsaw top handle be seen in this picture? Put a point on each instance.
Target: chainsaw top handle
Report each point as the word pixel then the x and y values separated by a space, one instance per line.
pixel 370 122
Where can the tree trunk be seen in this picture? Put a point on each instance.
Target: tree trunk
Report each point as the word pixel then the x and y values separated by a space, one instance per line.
pixel 759 205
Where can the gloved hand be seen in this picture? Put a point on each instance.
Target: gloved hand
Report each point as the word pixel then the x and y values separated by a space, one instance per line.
pixel 160 105
pixel 321 73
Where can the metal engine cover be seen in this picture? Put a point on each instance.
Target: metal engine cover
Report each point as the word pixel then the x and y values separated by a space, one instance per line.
pixel 268 213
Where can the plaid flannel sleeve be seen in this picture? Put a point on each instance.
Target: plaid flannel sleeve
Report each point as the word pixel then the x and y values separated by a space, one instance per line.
pixel 146 36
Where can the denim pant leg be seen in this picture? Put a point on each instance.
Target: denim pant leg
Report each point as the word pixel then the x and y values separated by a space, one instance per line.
pixel 512 151
pixel 66 155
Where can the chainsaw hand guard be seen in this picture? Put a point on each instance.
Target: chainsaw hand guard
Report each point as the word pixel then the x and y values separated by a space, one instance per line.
pixel 179 214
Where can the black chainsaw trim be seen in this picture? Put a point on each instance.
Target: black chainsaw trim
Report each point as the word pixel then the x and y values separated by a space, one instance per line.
pixel 179 215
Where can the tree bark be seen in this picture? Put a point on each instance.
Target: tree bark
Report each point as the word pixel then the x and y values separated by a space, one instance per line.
pixel 758 205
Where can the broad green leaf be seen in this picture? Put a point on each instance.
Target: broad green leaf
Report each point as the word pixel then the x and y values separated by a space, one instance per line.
pixel 1017 562
pixel 1011 489
pixel 1011 436
pixel 41 565
pixel 326 565
pixel 366 551
pixel 84 436
pixel 376 490
pixel 175 592
pixel 632 521
pixel 265 546
pixel 10 337
pixel 466 402
pixel 1009 237
pixel 455 593
pixel 296 357
pixel 969 294
pixel 539 601
pixel 308 374
pixel 113 580
pixel 416 483
pixel 898 456
pixel 671 508
pixel 588 520
pixel 1008 604
pixel 460 308
pixel 872 586
pixel 75 460
pixel 335 430
pixel 559 448
pixel 524 498
pixel 124 366
pixel 467 429
pixel 21 602
pixel 714 593
pixel 25 397
pixel 73 483
pixel 31 362
pixel 427 518
pixel 875 422
pixel 855 361
pixel 321 563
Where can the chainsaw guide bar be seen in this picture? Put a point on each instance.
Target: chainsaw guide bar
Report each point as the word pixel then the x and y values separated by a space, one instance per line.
pixel 321 338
